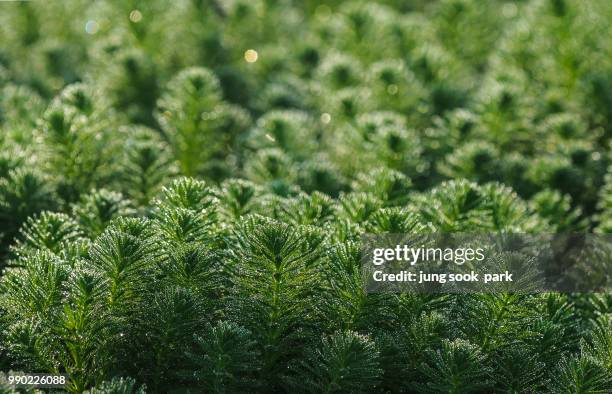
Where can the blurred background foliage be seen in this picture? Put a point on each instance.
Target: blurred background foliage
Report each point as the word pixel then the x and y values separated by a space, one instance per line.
pixel 515 92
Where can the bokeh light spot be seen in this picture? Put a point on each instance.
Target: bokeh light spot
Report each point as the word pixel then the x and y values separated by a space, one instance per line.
pixel 135 16
pixel 250 55
pixel 91 27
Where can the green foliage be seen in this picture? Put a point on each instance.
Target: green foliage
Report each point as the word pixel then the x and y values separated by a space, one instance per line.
pixel 53 232
pixel 605 204
pixel 77 131
pixel 348 302
pixel 225 359
pixel 198 124
pixel 23 193
pixel 148 164
pixel 457 367
pixel 345 362
pixel 179 216
pixel 239 198
pixel 457 206
pixel 98 209
pixel 275 275
pixel 582 375
pixel 118 386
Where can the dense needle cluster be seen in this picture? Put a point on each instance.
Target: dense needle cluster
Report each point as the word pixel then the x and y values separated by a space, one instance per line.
pixel 183 187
